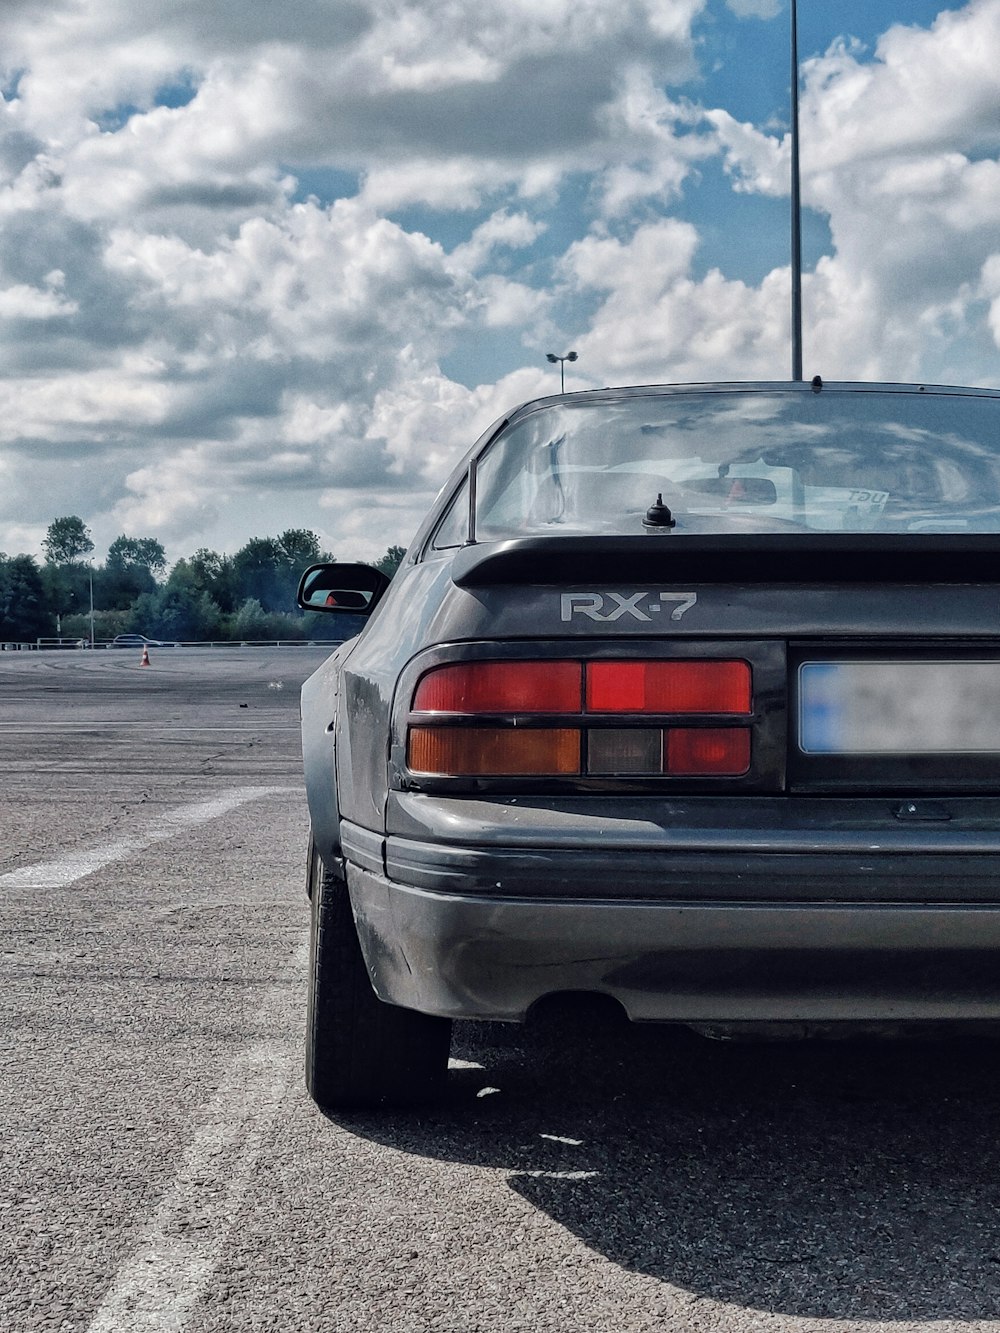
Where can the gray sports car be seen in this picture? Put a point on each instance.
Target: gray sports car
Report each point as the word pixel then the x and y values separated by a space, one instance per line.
pixel 687 697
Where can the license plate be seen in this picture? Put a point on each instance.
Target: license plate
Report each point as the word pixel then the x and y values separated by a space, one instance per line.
pixel 899 707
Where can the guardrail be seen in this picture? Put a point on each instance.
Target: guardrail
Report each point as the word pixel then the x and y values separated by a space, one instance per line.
pixel 63 645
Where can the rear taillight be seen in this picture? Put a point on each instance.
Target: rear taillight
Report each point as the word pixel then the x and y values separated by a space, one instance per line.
pixel 708 752
pixel 668 687
pixel 674 718
pixel 501 687
pixel 495 751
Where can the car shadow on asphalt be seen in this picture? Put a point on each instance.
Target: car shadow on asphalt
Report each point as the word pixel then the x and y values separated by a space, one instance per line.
pixel 851 1180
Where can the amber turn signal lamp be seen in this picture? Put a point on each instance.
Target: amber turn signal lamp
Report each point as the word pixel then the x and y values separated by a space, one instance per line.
pixel 494 751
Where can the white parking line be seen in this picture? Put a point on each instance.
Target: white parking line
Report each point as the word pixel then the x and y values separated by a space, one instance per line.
pixel 154 728
pixel 156 1287
pixel 75 865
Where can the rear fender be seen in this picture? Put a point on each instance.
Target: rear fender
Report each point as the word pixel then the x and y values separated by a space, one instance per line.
pixel 320 702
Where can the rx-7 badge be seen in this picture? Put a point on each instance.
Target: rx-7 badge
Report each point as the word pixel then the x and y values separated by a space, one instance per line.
pixel 608 606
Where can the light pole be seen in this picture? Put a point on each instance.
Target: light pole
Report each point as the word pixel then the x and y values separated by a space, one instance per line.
pixel 90 566
pixel 796 207
pixel 570 356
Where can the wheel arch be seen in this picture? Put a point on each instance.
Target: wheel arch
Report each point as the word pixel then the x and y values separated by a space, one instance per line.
pixel 319 709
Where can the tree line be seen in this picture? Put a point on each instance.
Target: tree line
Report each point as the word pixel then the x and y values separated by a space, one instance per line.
pixel 208 595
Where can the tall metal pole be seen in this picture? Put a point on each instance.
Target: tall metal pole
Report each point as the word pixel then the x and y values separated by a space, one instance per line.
pixel 796 207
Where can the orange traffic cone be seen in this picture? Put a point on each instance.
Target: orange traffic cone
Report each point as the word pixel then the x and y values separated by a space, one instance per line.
pixel 145 656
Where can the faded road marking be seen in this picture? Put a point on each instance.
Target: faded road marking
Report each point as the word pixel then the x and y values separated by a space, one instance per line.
pixel 75 865
pixel 156 1287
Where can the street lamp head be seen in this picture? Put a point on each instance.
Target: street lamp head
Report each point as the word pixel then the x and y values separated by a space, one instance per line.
pixel 551 356
pixel 570 356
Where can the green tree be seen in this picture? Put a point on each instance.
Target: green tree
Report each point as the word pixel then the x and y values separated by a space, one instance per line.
pixel 106 624
pixel 251 621
pixel 116 588
pixel 261 571
pixel 67 589
pixel 208 618
pixel 177 612
pixel 130 571
pixel 301 548
pixel 136 553
pixel 391 561
pixel 66 540
pixel 66 579
pixel 212 573
pixel 206 566
pixel 268 569
pixel 24 614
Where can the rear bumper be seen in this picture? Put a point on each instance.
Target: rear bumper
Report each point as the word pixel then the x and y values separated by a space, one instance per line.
pixel 682 962
pixel 693 917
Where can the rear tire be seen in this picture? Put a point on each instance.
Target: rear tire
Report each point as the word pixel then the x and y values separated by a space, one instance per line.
pixel 360 1052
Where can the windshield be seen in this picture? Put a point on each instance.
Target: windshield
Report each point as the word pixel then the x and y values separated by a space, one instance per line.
pixel 834 461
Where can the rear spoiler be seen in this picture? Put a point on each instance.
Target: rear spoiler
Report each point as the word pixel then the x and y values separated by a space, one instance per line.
pixel 821 557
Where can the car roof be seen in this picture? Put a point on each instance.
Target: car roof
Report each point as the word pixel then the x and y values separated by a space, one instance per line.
pixel 816 385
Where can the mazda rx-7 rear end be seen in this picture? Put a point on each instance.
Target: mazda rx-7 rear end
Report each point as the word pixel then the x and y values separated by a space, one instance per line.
pixel 688 697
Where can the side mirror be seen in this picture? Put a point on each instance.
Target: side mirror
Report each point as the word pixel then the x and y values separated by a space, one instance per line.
pixel 355 589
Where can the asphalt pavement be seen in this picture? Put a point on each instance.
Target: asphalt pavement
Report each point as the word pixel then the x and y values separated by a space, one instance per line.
pixel 163 1169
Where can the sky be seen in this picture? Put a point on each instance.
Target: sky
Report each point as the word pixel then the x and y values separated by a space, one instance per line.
pixel 278 265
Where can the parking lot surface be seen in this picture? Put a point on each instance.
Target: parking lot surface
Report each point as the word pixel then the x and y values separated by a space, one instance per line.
pixel 163 1169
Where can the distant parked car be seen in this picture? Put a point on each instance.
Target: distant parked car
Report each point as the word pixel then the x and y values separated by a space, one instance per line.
pixel 138 641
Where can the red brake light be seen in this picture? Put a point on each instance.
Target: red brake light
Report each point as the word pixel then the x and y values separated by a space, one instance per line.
pixel 501 687
pixel 706 686
pixel 707 751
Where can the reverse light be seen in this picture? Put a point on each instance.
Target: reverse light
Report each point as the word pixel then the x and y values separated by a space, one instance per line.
pixel 624 750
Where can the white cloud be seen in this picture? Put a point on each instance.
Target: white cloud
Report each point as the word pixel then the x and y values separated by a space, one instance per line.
pixel 24 302
pixel 502 231
pixel 426 423
pixel 657 324
pixel 989 290
pixel 178 497
pixel 211 343
pixel 899 153
pixel 506 304
pixel 757 9
pixel 656 255
pixel 658 159
pixel 757 161
pixel 929 89
pixel 190 352
pixel 286 331
pixel 378 87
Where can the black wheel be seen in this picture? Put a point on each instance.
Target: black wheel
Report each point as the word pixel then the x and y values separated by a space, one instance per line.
pixel 360 1052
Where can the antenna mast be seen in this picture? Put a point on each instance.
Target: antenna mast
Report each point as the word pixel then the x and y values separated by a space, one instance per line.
pixel 796 208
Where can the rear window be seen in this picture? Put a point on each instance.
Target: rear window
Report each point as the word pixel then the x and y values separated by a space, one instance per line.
pixel 772 461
